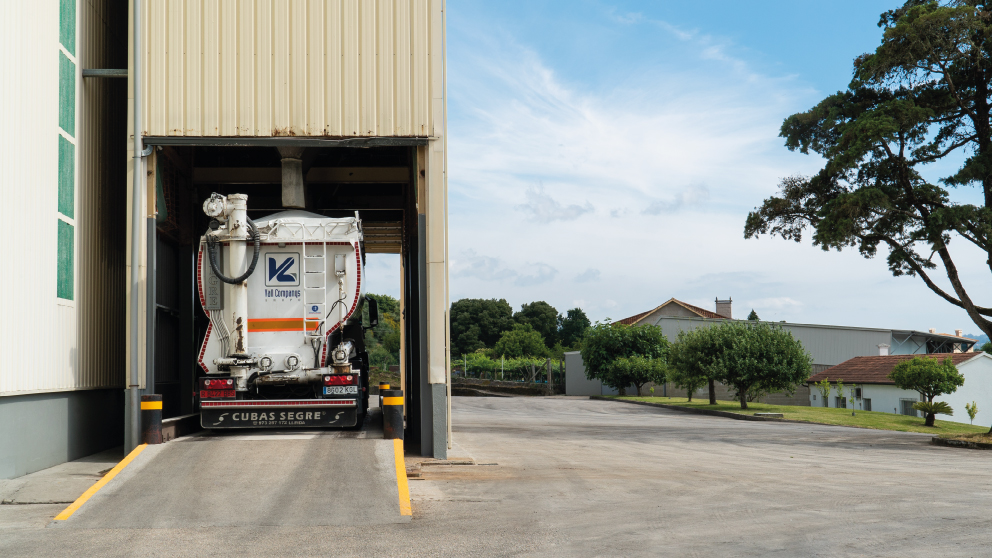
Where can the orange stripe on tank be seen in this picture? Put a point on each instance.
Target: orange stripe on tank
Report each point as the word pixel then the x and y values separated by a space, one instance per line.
pixel 279 324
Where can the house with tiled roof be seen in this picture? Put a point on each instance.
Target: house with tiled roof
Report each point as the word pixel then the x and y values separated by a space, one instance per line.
pixel 867 386
pixel 675 308
pixel 829 345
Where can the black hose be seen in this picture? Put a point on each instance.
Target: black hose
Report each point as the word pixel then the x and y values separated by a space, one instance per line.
pixel 212 256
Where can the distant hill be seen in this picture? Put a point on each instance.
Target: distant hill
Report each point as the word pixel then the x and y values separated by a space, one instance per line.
pixel 982 339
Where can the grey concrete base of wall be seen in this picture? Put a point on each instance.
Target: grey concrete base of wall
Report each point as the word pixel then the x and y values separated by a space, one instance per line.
pixel 960 444
pixel 42 430
pixel 440 393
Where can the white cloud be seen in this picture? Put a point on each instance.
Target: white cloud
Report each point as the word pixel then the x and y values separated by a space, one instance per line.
pixel 546 209
pixel 775 303
pixel 690 196
pixel 488 268
pixel 588 276
pixel 535 274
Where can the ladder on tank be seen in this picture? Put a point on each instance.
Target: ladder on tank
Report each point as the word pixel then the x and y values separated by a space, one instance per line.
pixel 314 298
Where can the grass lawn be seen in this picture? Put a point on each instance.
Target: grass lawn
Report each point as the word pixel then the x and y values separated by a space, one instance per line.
pixel 825 415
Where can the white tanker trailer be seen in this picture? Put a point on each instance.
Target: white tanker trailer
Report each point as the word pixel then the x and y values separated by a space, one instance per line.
pixel 285 344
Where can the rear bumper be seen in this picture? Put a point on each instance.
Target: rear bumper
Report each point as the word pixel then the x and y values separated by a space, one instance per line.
pixel 291 413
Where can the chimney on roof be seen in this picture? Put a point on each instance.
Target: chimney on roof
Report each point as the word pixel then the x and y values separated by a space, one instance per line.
pixel 933 330
pixel 723 308
pixel 883 350
pixel 959 333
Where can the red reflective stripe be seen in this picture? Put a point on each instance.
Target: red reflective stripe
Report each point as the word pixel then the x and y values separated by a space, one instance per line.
pixel 306 403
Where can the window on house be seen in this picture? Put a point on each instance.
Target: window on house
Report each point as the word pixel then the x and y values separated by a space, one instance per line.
pixel 907 407
pixel 867 404
pixel 841 402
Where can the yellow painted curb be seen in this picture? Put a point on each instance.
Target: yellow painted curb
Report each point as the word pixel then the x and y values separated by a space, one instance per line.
pixel 402 484
pixel 67 513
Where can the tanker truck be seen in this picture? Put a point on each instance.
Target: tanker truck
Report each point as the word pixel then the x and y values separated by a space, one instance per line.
pixel 284 346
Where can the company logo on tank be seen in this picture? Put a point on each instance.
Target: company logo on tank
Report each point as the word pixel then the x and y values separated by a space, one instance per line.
pixel 282 269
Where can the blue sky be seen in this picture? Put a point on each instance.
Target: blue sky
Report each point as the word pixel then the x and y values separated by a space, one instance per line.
pixel 605 155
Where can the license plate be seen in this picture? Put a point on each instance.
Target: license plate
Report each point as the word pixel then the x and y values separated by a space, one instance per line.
pixel 340 390
pixel 220 393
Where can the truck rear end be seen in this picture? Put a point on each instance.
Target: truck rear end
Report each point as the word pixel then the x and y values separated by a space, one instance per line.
pixel 284 296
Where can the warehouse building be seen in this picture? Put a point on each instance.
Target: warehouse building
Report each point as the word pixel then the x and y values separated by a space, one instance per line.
pixel 98 303
pixel 829 345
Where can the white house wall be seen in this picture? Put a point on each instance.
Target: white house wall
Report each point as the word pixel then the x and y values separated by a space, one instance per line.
pixel 977 387
pixel 884 398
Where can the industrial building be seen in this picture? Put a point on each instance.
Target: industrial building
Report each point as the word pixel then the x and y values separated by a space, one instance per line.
pixel 829 345
pixel 99 304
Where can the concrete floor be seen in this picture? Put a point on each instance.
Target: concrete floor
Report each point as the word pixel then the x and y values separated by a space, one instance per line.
pixel 597 478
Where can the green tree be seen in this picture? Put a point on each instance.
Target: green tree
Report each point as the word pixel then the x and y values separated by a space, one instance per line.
pixel 753 316
pixel 840 393
pixel 929 377
pixel 683 377
pixel 478 323
pixel 385 337
pixel 923 97
pixel 986 347
pixel 934 408
pixel 762 358
pixel 606 342
pixel 381 358
pixel 386 303
pixel 694 358
pixel 636 370
pixel 542 317
pixel 572 327
pixel 521 341
pixel 972 409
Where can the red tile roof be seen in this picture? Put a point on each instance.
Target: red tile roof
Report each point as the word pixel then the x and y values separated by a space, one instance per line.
pixel 633 319
pixel 694 309
pixel 876 369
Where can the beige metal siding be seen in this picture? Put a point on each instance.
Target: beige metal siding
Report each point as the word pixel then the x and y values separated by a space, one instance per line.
pixel 262 68
pixel 100 203
pixel 47 343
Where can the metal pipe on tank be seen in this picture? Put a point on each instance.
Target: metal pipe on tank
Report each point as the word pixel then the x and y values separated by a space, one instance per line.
pixel 237 226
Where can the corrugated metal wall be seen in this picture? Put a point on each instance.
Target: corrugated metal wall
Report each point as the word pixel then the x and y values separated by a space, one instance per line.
pixel 291 67
pixel 101 202
pixel 48 174
pixel 829 345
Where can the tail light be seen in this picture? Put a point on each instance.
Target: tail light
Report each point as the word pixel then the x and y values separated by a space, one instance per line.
pixel 217 388
pixel 341 380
